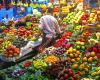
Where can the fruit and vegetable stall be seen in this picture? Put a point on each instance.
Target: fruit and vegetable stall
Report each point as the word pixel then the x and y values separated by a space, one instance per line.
pixel 74 56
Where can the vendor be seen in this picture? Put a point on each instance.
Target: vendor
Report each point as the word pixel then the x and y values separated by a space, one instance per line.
pixel 50 28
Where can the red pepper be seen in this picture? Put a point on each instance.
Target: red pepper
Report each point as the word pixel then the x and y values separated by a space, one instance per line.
pixel 27 64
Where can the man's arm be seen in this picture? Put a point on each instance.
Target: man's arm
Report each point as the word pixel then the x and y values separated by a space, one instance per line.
pixel 44 45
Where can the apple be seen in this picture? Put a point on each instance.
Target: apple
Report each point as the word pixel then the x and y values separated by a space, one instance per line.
pixel 62 78
pixel 95 49
pixel 75 76
pixel 72 79
pixel 83 47
pixel 67 46
pixel 65 70
pixel 66 76
pixel 78 47
pixel 70 72
pixel 90 49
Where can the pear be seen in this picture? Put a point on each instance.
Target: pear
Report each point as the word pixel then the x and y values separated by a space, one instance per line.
pixel 98 72
pixel 76 55
pixel 74 50
pixel 82 43
pixel 72 60
pixel 92 54
pixel 93 74
pixel 90 59
pixel 70 50
pixel 75 66
pixel 83 47
pixel 95 58
pixel 86 69
pixel 82 66
pixel 72 55
pixel 85 59
pixel 78 47
pixel 98 68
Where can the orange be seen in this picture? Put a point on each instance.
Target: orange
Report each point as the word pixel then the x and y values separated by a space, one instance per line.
pixel 87 27
pixel 78 59
pixel 15 54
pixel 10 55
pixel 69 59
pixel 51 59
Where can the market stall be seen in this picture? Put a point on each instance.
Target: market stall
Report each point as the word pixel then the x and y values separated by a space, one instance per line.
pixel 75 55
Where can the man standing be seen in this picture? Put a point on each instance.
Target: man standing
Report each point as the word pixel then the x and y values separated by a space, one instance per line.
pixel 50 29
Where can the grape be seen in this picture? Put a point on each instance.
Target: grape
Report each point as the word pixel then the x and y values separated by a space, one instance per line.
pixel 54 69
pixel 60 50
pixel 18 73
